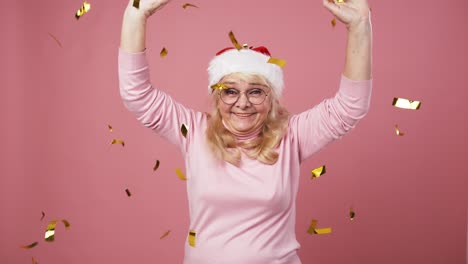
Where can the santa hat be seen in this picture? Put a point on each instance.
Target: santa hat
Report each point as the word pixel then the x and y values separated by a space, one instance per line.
pixel 245 60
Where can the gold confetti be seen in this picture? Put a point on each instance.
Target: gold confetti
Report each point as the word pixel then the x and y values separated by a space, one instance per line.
pixel 318 172
pixel 128 192
pixel 118 141
pixel 321 231
pixel 340 1
pixel 406 104
pixel 180 174
pixel 351 213
pixel 56 40
pixel 30 245
pixel 312 227
pixel 234 41
pixel 156 166
pixel 184 6
pixel 136 3
pixel 43 215
pixel 277 61
pixel 50 231
pixel 398 132
pixel 163 53
pixel 83 9
pixel 33 261
pixel 111 129
pixel 191 238
pixel 184 131
pixel 333 22
pixel 165 234
pixel 318 231
pixel 66 224
pixel 218 86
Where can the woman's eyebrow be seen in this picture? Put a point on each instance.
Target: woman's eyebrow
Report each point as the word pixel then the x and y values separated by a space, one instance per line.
pixel 259 84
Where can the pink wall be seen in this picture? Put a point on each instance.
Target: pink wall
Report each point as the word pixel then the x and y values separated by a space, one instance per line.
pixel 409 193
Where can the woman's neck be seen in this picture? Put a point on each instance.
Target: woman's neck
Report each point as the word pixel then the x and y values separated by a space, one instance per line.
pixel 244 136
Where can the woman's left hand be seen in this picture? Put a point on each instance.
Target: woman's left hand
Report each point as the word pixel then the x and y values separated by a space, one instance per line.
pixel 350 12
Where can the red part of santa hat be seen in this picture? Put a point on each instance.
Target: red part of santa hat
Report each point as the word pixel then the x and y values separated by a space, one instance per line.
pixel 245 60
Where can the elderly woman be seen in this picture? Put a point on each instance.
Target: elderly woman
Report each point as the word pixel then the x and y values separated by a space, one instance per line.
pixel 242 160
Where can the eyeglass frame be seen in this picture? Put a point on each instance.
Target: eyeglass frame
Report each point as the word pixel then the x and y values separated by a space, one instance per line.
pixel 245 92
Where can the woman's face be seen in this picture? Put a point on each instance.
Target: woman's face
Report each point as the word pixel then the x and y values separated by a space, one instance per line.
pixel 243 117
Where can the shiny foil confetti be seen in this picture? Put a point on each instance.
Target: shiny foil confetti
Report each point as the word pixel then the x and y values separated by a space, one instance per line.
pixel 83 9
pixel 156 166
pixel 184 131
pixel 180 174
pixel 352 214
pixel 34 261
pixel 318 231
pixel 398 132
pixel 277 61
pixel 333 22
pixel 43 215
pixel 184 6
pixel 165 234
pixel 312 227
pixel 191 238
pixel 56 40
pixel 111 129
pixel 30 245
pixel 66 224
pixel 321 231
pixel 163 53
pixel 218 86
pixel 118 141
pixel 406 104
pixel 316 173
pixel 136 3
pixel 234 41
pixel 50 231
pixel 128 192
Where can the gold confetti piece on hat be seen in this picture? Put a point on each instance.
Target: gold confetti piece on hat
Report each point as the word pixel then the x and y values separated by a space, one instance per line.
pixel 66 224
pixel 406 104
pixel 180 174
pixel 83 9
pixel 43 215
pixel 277 61
pixel 56 40
pixel 136 3
pixel 321 231
pixel 318 172
pixel 156 166
pixel 184 131
pixel 351 213
pixel 234 41
pixel 333 22
pixel 184 6
pixel 165 234
pixel 118 141
pixel 218 86
pixel 50 231
pixel 110 128
pixel 191 238
pixel 398 132
pixel 312 227
pixel 30 245
pixel 128 192
pixel 163 53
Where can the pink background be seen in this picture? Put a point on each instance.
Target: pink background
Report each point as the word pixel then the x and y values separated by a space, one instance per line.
pixel 409 193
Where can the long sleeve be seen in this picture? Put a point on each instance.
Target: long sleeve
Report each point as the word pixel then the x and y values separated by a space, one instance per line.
pixel 152 107
pixel 332 118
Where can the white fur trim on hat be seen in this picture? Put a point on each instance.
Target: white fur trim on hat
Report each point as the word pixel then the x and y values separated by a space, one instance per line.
pixel 245 61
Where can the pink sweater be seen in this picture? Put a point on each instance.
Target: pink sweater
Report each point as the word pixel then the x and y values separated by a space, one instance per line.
pixel 246 214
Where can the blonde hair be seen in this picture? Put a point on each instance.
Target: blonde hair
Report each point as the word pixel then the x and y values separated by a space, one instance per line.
pixel 223 143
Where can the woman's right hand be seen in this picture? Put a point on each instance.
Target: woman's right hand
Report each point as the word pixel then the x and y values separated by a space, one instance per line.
pixel 147 7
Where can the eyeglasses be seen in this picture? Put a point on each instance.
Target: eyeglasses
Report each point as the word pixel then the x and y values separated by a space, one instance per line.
pixel 231 96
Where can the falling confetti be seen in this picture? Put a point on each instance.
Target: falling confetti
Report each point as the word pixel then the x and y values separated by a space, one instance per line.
pixel 66 224
pixel 321 231
pixel 118 141
pixel 218 86
pixel 333 22
pixel 156 166
pixel 165 234
pixel 128 192
pixel 318 172
pixel 83 9
pixel 184 6
pixel 234 41
pixel 56 40
pixel 180 174
pixel 191 238
pixel 184 131
pixel 163 53
pixel 398 132
pixel 351 213
pixel 312 226
pixel 136 3
pixel 277 61
pixel 50 231
pixel 33 261
pixel 43 215
pixel 318 231
pixel 111 129
pixel 30 245
pixel 406 104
